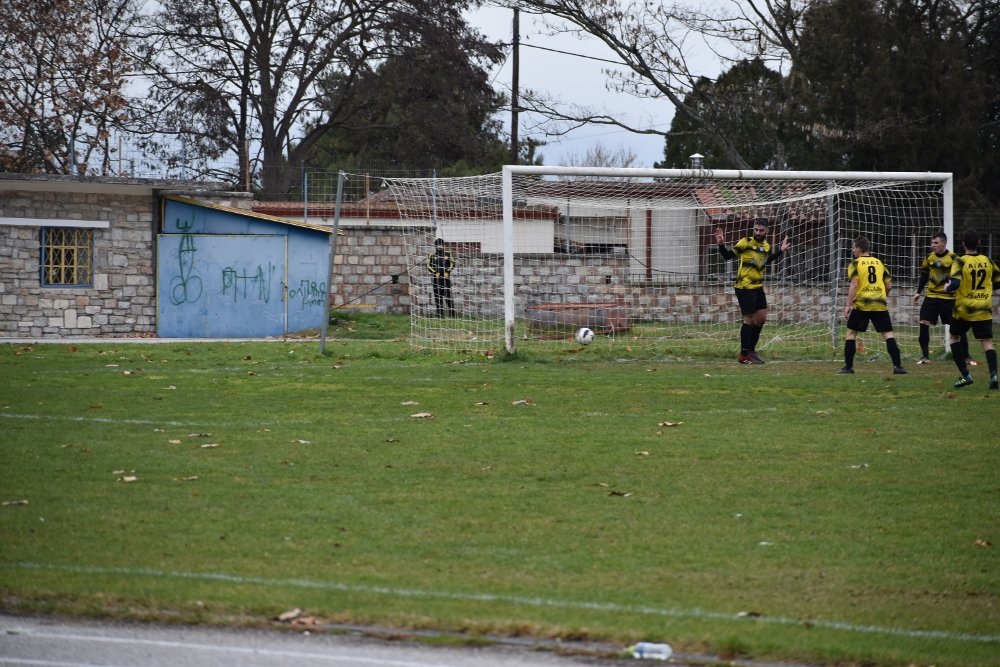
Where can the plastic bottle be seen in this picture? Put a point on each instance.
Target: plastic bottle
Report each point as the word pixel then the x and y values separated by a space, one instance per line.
pixel 651 651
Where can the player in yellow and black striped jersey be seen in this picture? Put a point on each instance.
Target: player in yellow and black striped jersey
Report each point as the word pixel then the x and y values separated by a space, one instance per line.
pixel 974 277
pixel 868 302
pixel 754 254
pixel 935 272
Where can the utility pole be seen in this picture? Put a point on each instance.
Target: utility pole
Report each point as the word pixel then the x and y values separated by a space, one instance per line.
pixel 513 87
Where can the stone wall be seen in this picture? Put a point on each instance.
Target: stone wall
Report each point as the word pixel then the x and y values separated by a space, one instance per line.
pixel 369 257
pixel 121 300
pixel 371 270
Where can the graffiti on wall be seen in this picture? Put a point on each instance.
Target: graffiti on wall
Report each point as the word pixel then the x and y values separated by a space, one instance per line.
pixel 185 287
pixel 222 274
pixel 309 294
pixel 243 286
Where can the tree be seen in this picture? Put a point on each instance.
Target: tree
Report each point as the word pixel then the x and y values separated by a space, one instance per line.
pixel 649 40
pixel 63 65
pixel 235 76
pixel 984 176
pixel 890 84
pixel 600 155
pixel 430 105
pixel 745 103
pixel 893 86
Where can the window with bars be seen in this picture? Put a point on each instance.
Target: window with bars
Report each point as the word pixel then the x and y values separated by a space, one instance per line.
pixel 67 256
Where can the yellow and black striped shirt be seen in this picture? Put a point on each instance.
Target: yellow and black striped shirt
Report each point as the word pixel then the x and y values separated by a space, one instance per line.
pixel 753 256
pixel 978 276
pixel 871 275
pixel 937 268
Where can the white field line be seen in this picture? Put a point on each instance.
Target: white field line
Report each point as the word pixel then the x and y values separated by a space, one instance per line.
pixel 100 420
pixel 674 612
pixel 147 422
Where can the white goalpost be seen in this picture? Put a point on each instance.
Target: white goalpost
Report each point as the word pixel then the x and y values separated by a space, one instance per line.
pixel 539 251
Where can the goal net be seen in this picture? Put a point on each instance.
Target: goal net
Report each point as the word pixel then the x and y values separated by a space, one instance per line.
pixel 537 252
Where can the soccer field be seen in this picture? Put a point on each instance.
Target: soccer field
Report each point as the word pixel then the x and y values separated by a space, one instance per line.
pixel 773 512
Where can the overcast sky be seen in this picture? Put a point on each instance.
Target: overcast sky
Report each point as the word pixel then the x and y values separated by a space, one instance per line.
pixel 573 80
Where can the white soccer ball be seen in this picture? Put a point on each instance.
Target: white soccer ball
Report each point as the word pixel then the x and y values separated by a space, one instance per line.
pixel 584 336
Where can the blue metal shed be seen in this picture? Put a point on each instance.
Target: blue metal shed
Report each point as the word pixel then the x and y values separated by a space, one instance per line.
pixel 225 272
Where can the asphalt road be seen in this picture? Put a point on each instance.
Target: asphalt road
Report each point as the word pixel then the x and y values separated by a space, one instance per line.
pixel 59 642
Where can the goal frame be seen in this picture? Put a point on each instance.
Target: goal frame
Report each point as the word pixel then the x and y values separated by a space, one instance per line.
pixel 509 171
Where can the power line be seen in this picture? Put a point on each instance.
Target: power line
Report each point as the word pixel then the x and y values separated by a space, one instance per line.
pixel 569 53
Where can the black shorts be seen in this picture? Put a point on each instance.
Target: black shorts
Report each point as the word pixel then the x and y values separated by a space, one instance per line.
pixel 934 309
pixel 751 300
pixel 981 329
pixel 858 320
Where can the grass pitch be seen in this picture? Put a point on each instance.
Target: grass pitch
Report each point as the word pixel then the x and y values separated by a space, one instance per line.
pixel 775 511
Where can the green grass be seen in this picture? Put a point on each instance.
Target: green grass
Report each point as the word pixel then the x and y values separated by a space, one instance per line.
pixel 794 514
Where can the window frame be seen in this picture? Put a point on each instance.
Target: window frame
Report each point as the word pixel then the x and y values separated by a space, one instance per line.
pixel 76 241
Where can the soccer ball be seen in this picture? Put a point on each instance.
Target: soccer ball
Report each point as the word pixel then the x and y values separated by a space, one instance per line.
pixel 584 336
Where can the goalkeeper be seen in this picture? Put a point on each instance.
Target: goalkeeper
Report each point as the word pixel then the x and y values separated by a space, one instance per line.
pixel 440 264
pixel 754 253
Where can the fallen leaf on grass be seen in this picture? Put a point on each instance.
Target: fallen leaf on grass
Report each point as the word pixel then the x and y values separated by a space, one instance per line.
pixel 175 441
pixel 300 442
pixel 670 424
pixel 749 614
pixel 979 541
pixel 126 372
pixel 642 454
pixel 128 478
pixel 409 403
pixel 186 479
pixel 210 445
pixel 422 415
pixel 11 503
pixel 523 401
pixel 251 373
pixel 199 435
pixel 620 494
pixel 482 403
pixel 392 439
pixel 310 621
pixel 289 615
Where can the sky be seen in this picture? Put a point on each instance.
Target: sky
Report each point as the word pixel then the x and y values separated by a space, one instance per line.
pixel 573 80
